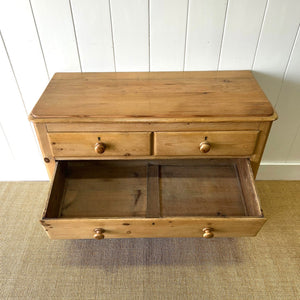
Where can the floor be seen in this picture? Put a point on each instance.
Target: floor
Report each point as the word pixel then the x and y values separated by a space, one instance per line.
pixel 34 267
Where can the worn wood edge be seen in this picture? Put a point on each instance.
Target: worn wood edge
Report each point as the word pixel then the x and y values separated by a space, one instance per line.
pixel 49 194
pixel 251 198
pixel 41 132
pixel 152 127
pixel 265 128
pixel 55 190
pixel 126 143
pixel 166 143
pixel 153 192
pixel 161 74
pixel 150 157
pixel 145 227
pixel 88 119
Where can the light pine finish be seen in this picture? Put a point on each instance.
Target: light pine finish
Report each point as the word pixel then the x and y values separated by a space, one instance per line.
pixel 108 190
pixel 116 143
pixel 41 132
pixel 203 190
pixel 148 97
pixel 203 42
pixel 83 228
pixel 173 148
pixel 221 143
pixel 157 127
pixel 153 192
pixel 251 201
pixel 264 130
pixel 163 190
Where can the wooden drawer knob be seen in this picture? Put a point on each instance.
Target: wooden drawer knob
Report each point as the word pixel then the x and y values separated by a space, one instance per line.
pixel 100 148
pixel 99 233
pixel 208 234
pixel 205 147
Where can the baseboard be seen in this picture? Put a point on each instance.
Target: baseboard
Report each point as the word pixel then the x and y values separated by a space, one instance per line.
pixel 278 171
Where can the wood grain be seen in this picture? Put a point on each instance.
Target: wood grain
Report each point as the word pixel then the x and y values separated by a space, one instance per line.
pixel 105 191
pixel 264 130
pixel 83 127
pixel 188 194
pixel 153 192
pixel 211 190
pixel 222 143
pixel 56 193
pixel 153 96
pixel 246 178
pixel 83 144
pixel 79 228
pixel 41 132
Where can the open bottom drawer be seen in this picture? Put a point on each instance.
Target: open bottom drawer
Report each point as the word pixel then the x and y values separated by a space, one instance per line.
pixel 154 198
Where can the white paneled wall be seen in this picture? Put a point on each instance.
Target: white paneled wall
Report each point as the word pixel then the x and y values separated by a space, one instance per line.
pixel 94 36
pixel 41 37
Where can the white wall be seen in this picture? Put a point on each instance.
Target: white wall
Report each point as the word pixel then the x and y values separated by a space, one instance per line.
pixel 41 37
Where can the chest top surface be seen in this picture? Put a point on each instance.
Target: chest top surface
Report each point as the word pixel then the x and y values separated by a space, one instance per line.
pixel 153 96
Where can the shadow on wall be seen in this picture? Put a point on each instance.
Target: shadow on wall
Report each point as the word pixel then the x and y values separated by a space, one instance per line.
pixel 276 87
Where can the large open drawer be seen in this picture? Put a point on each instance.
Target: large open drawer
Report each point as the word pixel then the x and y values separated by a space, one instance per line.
pixel 152 198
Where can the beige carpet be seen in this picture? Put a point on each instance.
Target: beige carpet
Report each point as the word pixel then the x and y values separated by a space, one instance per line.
pixel 33 267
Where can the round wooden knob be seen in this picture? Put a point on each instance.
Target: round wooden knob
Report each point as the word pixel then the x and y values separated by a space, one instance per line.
pixel 100 148
pixel 99 233
pixel 208 234
pixel 205 147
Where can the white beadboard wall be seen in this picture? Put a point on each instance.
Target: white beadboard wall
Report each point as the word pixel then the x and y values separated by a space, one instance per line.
pixel 41 37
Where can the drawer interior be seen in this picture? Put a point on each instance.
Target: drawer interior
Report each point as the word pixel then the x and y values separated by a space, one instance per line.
pixel 153 189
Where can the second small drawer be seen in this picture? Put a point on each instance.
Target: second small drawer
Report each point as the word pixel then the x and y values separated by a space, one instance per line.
pixel 220 143
pixel 99 144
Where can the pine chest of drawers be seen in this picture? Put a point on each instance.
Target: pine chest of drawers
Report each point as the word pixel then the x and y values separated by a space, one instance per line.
pixel 171 154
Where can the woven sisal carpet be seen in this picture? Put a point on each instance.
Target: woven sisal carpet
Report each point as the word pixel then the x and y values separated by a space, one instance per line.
pixel 34 267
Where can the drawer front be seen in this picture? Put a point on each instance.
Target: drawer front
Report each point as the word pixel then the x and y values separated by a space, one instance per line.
pixel 151 227
pixel 83 144
pixel 205 143
pixel 133 199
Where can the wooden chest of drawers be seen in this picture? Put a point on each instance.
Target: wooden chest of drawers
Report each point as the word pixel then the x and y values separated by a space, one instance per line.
pixel 171 154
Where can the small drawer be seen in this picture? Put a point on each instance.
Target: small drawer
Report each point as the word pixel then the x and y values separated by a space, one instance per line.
pixel 99 144
pixel 205 143
pixel 144 198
